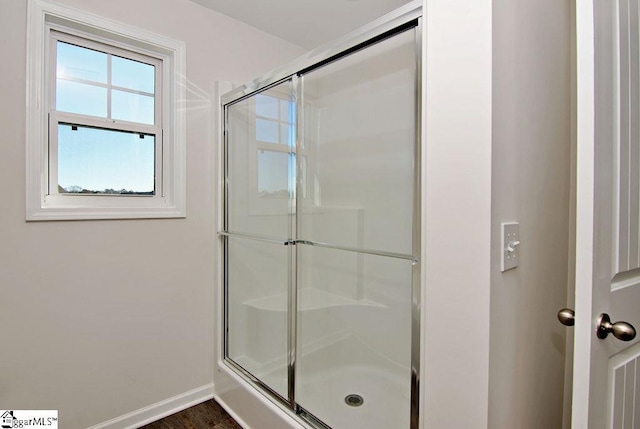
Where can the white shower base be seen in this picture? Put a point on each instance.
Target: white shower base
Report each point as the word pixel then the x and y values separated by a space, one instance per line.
pixel 326 375
pixel 385 406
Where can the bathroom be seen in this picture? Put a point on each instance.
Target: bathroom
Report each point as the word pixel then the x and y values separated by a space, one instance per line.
pixel 119 321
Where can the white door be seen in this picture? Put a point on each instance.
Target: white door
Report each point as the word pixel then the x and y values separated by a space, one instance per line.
pixel 606 392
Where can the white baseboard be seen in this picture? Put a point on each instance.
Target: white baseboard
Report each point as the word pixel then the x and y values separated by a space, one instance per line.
pixel 159 410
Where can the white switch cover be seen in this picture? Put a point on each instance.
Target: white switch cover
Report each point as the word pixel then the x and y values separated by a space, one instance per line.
pixel 510 245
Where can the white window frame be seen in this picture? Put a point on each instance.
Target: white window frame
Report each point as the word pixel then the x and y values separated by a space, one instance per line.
pixel 43 203
pixel 60 117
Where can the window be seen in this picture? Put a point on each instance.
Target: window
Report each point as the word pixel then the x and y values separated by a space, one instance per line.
pixel 105 134
pixel 105 125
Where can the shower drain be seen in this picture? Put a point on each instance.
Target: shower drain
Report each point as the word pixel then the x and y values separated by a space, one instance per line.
pixel 353 400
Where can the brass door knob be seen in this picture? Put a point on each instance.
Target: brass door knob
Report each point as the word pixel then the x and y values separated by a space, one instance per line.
pixel 621 330
pixel 567 317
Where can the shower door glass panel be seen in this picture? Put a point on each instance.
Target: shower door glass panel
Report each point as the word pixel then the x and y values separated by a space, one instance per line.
pixel 258 278
pixel 260 183
pixel 358 146
pixel 261 163
pixel 355 232
pixel 354 327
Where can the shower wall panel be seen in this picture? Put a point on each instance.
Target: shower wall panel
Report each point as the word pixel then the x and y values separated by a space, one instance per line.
pixel 359 134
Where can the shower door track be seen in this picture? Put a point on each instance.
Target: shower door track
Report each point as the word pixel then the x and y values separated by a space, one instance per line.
pixel 403 19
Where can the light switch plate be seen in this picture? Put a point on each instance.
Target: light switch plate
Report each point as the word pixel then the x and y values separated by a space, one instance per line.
pixel 510 245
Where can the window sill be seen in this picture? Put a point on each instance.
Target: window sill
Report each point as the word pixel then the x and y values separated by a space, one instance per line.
pixel 62 207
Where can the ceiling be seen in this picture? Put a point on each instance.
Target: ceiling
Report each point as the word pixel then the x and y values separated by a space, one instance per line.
pixel 306 23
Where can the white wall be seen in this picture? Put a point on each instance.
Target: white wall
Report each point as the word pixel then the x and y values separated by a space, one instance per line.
pixel 457 99
pixel 531 180
pixel 100 318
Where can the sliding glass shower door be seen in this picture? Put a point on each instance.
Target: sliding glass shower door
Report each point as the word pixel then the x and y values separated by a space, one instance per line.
pixel 355 235
pixel 260 171
pixel 320 236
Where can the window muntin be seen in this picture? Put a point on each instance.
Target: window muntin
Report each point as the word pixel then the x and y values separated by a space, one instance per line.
pixel 104 98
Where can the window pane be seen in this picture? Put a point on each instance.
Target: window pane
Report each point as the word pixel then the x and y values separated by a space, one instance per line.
pixel 74 62
pixel 267 131
pixel 284 110
pixel 284 134
pixel 273 174
pixel 132 107
pixel 74 97
pixel 266 106
pixel 132 75
pixel 93 160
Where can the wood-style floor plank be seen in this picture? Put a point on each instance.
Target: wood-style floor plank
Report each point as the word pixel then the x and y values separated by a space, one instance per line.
pixel 209 414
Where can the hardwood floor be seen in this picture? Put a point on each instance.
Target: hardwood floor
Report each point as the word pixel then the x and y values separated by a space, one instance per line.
pixel 206 415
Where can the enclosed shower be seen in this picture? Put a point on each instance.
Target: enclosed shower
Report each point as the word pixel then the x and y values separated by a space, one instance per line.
pixel 320 231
